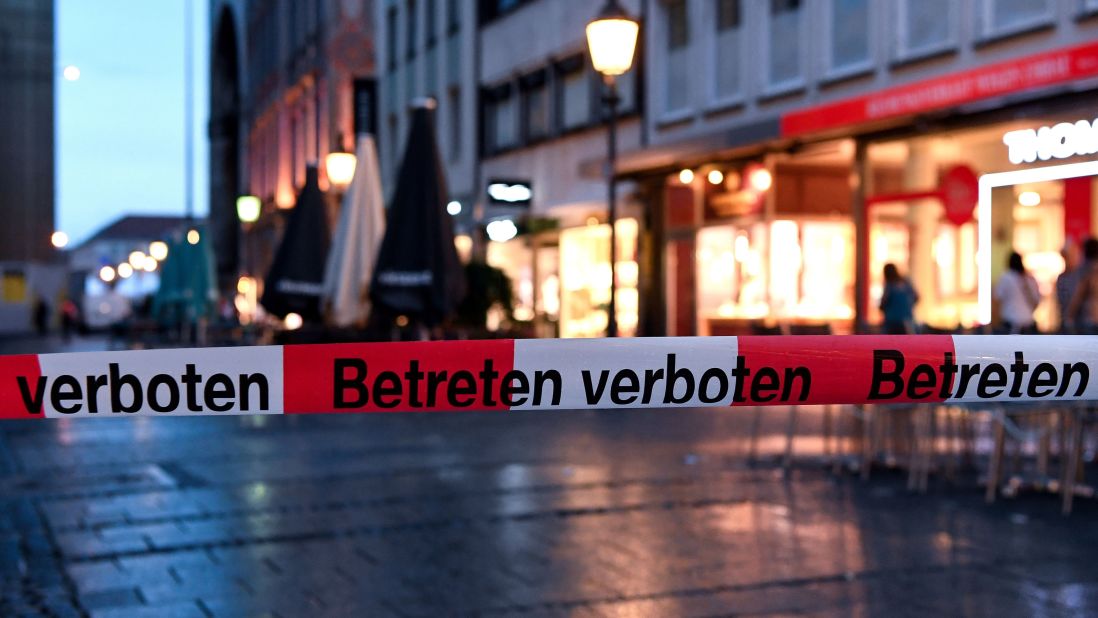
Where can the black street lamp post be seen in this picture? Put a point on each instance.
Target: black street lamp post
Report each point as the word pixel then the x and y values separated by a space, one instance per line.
pixel 612 41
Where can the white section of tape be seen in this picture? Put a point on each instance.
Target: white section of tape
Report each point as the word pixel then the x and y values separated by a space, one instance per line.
pixel 595 372
pixel 221 381
pixel 1054 367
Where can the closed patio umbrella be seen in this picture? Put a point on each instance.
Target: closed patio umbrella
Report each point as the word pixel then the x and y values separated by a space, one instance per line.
pixel 296 278
pixel 357 239
pixel 418 272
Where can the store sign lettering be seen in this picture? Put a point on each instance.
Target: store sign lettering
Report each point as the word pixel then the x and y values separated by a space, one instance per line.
pixel 1059 141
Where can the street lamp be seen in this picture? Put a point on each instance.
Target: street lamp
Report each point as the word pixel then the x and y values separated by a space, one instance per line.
pixel 248 208
pixel 340 166
pixel 612 41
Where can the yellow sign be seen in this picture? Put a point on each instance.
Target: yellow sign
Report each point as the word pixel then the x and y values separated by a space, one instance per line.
pixel 13 287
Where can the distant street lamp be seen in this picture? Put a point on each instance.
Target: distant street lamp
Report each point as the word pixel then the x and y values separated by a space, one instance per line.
pixel 248 208
pixel 158 249
pixel 612 41
pixel 339 165
pixel 59 239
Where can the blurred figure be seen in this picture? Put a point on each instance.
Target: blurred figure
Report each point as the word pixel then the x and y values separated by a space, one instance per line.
pixel 1018 297
pixel 1068 281
pixel 70 318
pixel 898 302
pixel 1082 311
pixel 41 316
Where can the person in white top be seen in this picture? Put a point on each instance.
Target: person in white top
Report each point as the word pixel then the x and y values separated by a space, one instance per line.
pixel 1018 297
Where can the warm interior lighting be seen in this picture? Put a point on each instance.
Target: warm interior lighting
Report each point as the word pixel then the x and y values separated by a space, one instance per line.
pixel 501 230
pixel 612 40
pixel 454 208
pixel 248 208
pixel 158 249
pixel 686 176
pixel 715 177
pixel 760 179
pixel 59 239
pixel 1029 198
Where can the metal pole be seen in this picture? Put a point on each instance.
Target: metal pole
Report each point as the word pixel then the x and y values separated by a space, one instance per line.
pixel 188 110
pixel 612 198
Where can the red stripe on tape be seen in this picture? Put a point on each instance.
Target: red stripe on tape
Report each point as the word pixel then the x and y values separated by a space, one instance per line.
pixel 840 368
pixel 384 377
pixel 21 384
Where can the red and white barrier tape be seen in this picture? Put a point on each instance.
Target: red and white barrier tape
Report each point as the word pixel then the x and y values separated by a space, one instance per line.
pixel 543 374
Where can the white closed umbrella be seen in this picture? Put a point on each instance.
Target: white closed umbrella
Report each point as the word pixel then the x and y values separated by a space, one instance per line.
pixel 358 234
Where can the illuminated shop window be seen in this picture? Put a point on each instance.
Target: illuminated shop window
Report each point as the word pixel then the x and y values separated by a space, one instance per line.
pixel 585 279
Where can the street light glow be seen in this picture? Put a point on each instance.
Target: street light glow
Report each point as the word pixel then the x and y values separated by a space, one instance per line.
pixel 454 207
pixel 59 239
pixel 158 249
pixel 150 264
pixel 612 40
pixel 340 167
pixel 248 207
pixel 71 73
pixel 137 259
pixel 293 321
pixel 686 176
pixel 761 180
pixel 106 274
pixel 716 177
pixel 125 270
pixel 193 236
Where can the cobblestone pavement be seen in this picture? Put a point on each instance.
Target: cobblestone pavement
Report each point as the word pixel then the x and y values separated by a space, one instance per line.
pixel 635 513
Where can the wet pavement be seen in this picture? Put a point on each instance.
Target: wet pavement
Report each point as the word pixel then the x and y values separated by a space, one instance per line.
pixel 627 513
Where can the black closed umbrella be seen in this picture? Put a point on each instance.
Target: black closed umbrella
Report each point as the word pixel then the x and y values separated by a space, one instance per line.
pixel 296 278
pixel 418 273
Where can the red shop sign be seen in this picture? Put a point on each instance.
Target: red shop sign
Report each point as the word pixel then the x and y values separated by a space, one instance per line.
pixel 1036 71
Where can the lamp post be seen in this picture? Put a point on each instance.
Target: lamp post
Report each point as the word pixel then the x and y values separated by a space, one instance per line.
pixel 612 41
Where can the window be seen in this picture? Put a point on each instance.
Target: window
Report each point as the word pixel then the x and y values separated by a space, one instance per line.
pixel 391 37
pixel 925 26
pixel 453 15
pixel 454 105
pixel 536 120
pixel 431 9
pixel 1006 16
pixel 849 34
pixel 728 48
pixel 676 95
pixel 410 40
pixel 784 46
pixel 574 94
pixel 501 118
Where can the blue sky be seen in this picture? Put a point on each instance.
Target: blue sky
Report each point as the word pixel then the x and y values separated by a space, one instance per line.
pixel 120 126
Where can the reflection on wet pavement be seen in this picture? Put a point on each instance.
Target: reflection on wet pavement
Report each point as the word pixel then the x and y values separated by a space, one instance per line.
pixel 642 513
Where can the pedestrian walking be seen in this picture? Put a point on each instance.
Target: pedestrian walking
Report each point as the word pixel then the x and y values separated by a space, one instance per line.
pixel 898 302
pixel 1018 297
pixel 1082 311
pixel 1068 281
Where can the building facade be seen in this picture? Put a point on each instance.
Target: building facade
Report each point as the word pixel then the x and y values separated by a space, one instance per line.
pixel 519 109
pixel 285 77
pixel 27 76
pixel 794 147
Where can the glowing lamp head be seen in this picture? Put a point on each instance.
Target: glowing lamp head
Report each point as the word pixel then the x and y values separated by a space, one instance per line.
pixel 124 270
pixel 193 236
pixel 107 274
pixel 454 208
pixel 293 321
pixel 59 239
pixel 715 177
pixel 158 249
pixel 686 176
pixel 248 208
pixel 612 40
pixel 340 168
pixel 137 259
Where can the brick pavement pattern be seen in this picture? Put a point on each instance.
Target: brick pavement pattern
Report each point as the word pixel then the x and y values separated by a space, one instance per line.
pixel 640 513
